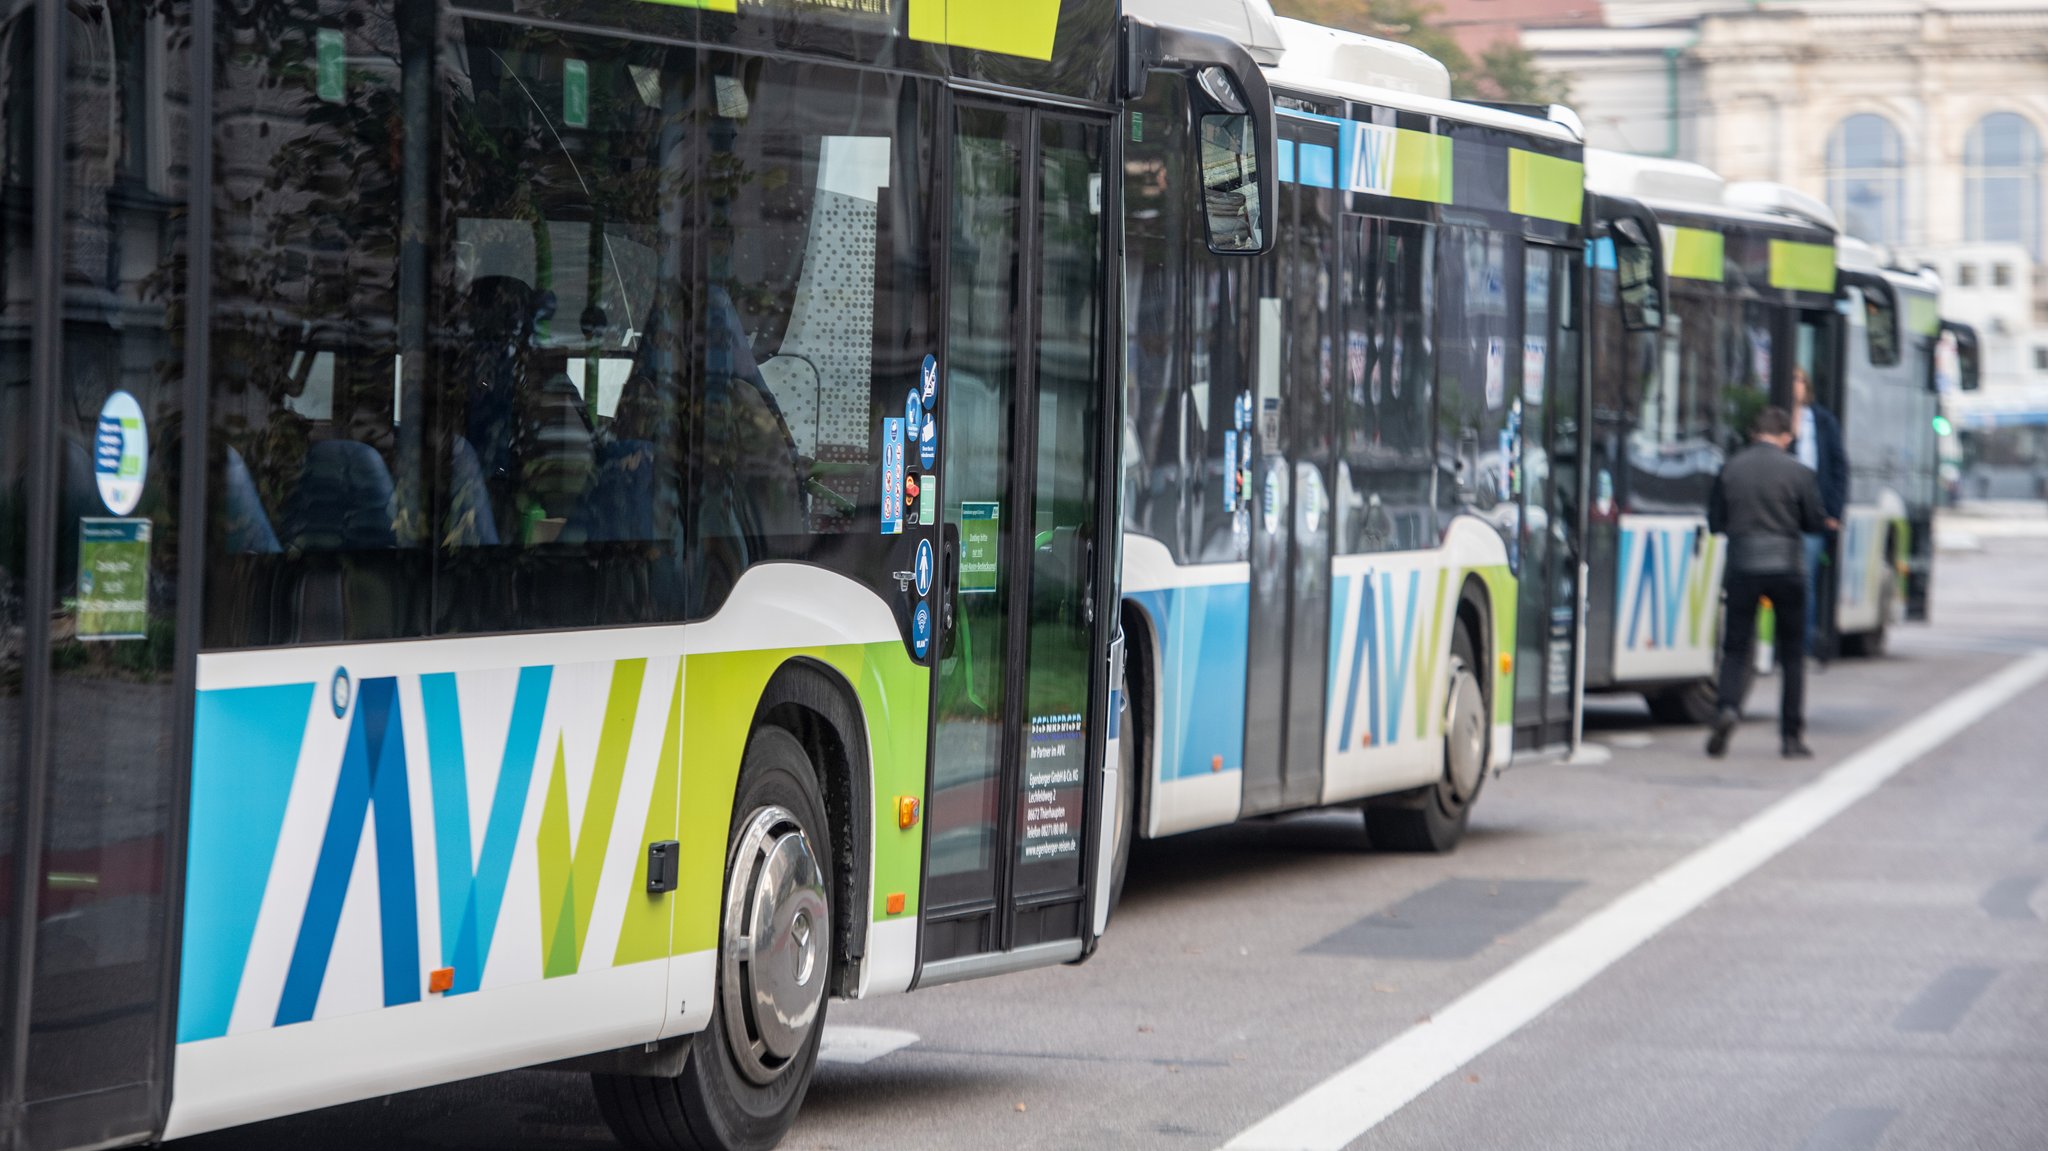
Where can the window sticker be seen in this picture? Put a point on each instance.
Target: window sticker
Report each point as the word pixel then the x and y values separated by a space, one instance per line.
pixel 1230 470
pixel 980 536
pixel 928 381
pixel 113 578
pixel 330 66
pixel 121 453
pixel 892 476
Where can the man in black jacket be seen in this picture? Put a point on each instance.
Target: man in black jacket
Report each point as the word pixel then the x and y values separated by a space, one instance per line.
pixel 1817 441
pixel 1764 501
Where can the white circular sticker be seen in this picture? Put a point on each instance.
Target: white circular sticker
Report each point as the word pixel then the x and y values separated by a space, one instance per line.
pixel 120 457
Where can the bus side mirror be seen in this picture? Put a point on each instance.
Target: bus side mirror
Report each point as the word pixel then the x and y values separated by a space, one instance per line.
pixel 1235 136
pixel 1969 356
pixel 1638 274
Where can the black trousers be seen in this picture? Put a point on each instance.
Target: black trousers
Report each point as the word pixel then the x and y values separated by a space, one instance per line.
pixel 1787 592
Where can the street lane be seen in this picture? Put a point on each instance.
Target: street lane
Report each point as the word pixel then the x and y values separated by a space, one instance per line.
pixel 1248 964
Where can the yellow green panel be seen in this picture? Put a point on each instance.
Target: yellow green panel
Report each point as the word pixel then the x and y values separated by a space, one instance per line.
pixel 1011 27
pixel 1698 254
pixel 1422 166
pixel 1501 593
pixel 1923 316
pixel 1801 267
pixel 707 5
pixel 1546 187
pixel 720 694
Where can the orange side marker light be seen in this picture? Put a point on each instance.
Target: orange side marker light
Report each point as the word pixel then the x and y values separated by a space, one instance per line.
pixel 440 980
pixel 906 811
pixel 1215 764
pixel 895 903
pixel 1507 663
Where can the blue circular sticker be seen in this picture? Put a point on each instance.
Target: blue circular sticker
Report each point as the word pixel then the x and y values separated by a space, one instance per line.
pixel 928 446
pixel 924 568
pixel 913 416
pixel 120 455
pixel 928 380
pixel 921 629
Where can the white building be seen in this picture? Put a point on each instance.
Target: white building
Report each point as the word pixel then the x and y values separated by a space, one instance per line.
pixel 1921 124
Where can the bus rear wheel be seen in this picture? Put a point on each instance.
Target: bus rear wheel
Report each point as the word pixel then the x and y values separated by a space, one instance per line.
pixel 747 1072
pixel 1691 704
pixel 1433 818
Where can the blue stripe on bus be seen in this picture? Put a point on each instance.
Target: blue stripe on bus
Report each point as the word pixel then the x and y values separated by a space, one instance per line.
pixel 245 751
pixel 1286 162
pixel 1600 254
pixel 1317 166
pixel 1202 633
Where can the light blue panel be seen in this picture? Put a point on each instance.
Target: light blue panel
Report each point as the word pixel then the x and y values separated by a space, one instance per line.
pixel 1286 169
pixel 1317 166
pixel 245 751
pixel 1600 254
pixel 1202 633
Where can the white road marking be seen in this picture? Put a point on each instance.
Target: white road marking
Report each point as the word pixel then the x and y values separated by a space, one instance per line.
pixel 1356 1099
pixel 861 1044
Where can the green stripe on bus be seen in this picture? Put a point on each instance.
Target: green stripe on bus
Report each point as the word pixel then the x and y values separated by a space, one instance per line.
pixel 1801 267
pixel 1422 166
pixel 1695 254
pixel 707 5
pixel 1011 27
pixel 1546 187
pixel 1923 318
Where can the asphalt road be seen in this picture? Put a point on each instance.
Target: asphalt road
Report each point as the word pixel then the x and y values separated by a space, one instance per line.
pixel 1881 983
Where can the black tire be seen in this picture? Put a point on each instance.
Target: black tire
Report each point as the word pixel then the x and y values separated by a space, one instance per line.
pixel 715 1104
pixel 1126 798
pixel 1433 818
pixel 1872 644
pixel 1691 704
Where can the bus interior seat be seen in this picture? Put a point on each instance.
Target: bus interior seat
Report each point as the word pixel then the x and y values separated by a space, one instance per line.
pixel 245 526
pixel 469 520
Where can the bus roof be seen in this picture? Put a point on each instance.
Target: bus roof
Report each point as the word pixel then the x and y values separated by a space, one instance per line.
pixel 1316 50
pixel 1332 62
pixel 1682 186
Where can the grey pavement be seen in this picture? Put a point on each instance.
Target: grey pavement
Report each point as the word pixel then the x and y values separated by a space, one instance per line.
pixel 1882 984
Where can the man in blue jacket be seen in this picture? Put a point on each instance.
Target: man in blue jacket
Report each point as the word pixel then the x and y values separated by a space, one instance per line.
pixel 1818 443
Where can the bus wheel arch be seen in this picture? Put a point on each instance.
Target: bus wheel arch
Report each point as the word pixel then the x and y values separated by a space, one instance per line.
pixel 1141 676
pixel 1432 818
pixel 815 704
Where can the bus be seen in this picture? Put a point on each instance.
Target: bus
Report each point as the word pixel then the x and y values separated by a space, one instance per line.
pixel 1890 407
pixel 1350 571
pixel 554 533
pixel 1746 293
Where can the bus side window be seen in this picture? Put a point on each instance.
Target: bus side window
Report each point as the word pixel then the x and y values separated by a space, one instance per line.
pixel 1881 322
pixel 1635 262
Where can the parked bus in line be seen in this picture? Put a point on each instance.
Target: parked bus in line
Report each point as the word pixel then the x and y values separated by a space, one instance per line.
pixel 1351 572
pixel 543 532
pixel 1890 406
pixel 1750 277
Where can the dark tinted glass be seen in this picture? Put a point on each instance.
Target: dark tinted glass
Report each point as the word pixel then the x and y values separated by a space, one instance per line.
pixel 17 192
pixel 319 528
pixel 102 907
pixel 818 314
pixel 1387 381
pixel 1478 371
pixel 1163 443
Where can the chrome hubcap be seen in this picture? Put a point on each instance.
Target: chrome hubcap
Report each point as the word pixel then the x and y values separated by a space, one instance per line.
pixel 1464 735
pixel 777 944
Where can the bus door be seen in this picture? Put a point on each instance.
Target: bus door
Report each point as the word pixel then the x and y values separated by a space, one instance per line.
pixel 1818 350
pixel 96 475
pixel 1019 397
pixel 1553 471
pixel 1287 649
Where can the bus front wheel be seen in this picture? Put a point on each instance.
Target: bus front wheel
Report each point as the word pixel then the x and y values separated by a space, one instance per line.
pixel 1433 818
pixel 747 1072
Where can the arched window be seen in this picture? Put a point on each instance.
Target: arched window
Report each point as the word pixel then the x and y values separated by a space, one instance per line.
pixel 1866 178
pixel 2002 182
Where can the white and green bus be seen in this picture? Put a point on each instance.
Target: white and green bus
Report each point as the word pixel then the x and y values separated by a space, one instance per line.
pixel 540 531
pixel 1353 468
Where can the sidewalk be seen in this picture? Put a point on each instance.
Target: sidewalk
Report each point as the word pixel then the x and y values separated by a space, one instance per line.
pixel 1965 528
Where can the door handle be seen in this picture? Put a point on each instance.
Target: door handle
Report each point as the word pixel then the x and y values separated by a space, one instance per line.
pixel 949 580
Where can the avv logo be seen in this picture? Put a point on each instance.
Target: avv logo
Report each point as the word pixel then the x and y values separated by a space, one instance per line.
pixel 1383 659
pixel 1665 581
pixel 1369 159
